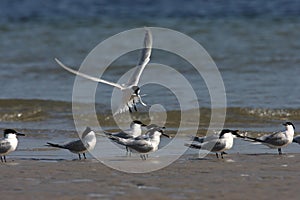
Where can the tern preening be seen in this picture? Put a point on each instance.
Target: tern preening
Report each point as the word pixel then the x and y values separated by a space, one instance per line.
pixel 130 90
pixel 143 144
pixel 85 144
pixel 8 143
pixel 277 140
pixel 215 143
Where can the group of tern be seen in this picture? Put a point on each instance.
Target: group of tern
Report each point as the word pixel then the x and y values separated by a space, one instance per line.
pixel 133 139
pixel 223 141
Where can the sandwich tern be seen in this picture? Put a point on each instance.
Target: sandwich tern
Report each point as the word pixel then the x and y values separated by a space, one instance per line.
pixel 130 90
pixel 215 143
pixel 8 143
pixel 277 140
pixel 142 144
pixel 135 130
pixel 85 144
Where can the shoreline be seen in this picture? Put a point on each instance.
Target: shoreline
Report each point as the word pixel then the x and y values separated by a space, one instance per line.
pixel 247 176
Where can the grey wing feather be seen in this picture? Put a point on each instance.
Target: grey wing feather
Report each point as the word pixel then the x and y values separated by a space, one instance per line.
pixel 218 146
pixel 144 60
pixel 212 145
pixel 122 135
pixel 4 146
pixel 75 146
pixel 141 146
pixel 198 139
pixel 88 76
pixel 275 138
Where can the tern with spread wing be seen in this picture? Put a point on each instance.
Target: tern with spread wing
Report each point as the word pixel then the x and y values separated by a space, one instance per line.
pixel 130 90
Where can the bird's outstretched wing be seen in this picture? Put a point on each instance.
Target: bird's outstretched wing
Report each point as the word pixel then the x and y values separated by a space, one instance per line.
pixel 144 60
pixel 88 76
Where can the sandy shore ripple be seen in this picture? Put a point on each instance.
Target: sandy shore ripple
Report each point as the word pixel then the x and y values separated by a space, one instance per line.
pixel 263 176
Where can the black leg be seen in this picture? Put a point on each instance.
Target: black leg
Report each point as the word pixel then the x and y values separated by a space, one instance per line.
pixel 279 151
pixel 1 158
pixel 129 108
pixel 134 106
pixel 84 155
pixel 79 156
pixel 217 155
pixel 4 158
pixel 222 155
pixel 143 157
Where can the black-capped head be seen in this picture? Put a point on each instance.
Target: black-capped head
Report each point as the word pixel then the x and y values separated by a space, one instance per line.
pixel 86 132
pixel 12 131
pixel 157 129
pixel 138 122
pixel 136 90
pixel 289 124
pixel 233 132
pixel 155 126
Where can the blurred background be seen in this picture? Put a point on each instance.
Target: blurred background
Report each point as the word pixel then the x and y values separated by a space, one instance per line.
pixel 255 45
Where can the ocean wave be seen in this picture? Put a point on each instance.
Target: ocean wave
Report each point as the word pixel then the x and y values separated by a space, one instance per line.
pixel 41 110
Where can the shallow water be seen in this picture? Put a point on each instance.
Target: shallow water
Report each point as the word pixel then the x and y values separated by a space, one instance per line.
pixel 109 153
pixel 255 46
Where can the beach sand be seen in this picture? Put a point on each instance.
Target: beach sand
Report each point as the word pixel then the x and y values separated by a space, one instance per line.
pixel 237 176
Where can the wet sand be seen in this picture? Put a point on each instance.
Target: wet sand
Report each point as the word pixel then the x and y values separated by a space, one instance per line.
pixel 237 176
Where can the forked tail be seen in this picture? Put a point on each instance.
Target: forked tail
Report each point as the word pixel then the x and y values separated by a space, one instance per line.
pixel 55 145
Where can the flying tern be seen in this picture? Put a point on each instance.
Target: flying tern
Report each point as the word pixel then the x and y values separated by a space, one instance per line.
pixel 130 90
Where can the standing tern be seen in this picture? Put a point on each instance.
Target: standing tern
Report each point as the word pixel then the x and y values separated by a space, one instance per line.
pixel 277 140
pixel 135 130
pixel 8 143
pixel 215 143
pixel 85 144
pixel 143 144
pixel 130 90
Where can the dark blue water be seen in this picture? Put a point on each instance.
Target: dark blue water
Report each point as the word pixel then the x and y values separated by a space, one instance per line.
pixel 255 45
